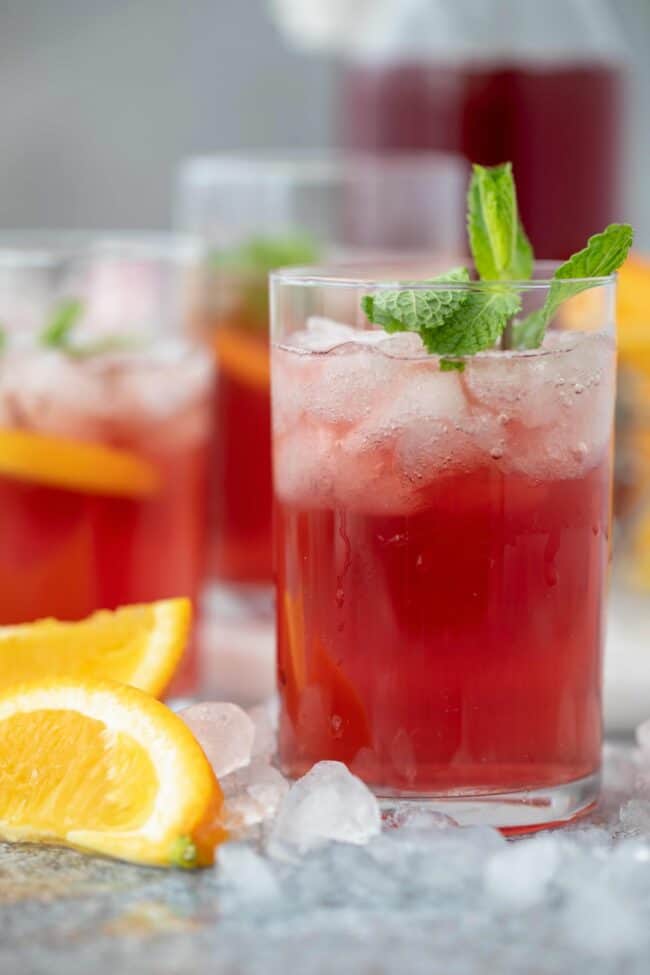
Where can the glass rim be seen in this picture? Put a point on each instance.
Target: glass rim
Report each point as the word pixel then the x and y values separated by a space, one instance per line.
pixel 306 165
pixel 32 248
pixel 337 276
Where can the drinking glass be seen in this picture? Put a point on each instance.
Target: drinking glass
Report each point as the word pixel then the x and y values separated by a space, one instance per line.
pixel 105 412
pixel 442 543
pixel 254 213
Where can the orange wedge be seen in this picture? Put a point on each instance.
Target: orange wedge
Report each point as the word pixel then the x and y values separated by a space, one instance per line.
pixel 337 693
pixel 104 767
pixel 137 645
pixel 633 312
pixel 75 465
pixel 242 355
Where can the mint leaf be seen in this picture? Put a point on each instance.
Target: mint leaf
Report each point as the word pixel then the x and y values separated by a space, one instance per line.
pixel 105 345
pixel 604 254
pixel 252 261
pixel 498 242
pixel 476 325
pixel 450 323
pixel 451 365
pixel 414 309
pixel 57 332
pixel 264 254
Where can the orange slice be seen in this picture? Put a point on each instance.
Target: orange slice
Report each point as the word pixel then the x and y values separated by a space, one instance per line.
pixel 242 355
pixel 104 767
pixel 633 312
pixel 77 466
pixel 338 696
pixel 137 645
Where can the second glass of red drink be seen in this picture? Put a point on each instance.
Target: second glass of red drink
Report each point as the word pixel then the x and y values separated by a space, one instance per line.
pixel 104 426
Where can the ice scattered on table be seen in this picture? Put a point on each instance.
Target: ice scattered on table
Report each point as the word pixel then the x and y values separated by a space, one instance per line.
pixel 253 794
pixel 329 803
pixel 324 870
pixel 247 874
pixel 519 876
pixel 225 733
pixel 635 817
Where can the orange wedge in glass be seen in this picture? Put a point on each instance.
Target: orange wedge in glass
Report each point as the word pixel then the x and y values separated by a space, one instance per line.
pixel 75 465
pixel 337 694
pixel 138 645
pixel 242 355
pixel 104 767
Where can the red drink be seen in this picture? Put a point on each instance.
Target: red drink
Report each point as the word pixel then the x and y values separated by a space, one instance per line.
pixel 102 482
pixel 442 546
pixel 241 454
pixel 492 112
pixel 240 504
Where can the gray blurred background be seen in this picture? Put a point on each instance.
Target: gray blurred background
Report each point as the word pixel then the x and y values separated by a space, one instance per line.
pixel 99 99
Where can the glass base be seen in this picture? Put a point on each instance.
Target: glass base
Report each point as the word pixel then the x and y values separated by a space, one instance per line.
pixel 511 812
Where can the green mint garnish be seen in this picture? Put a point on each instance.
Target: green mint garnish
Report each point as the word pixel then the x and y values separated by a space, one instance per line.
pixel 415 310
pixel 253 260
pixel 476 325
pixel 264 254
pixel 462 322
pixel 57 332
pixel 603 255
pixel 105 345
pixel 451 365
pixel 183 853
pixel 499 245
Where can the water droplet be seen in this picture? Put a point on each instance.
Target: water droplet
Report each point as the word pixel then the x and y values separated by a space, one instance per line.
pixel 496 452
pixel 578 389
pixel 503 419
pixel 340 596
pixel 595 530
pixel 419 560
pixel 336 724
pixel 559 381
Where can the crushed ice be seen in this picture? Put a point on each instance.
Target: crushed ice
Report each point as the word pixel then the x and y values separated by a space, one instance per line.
pixel 314 860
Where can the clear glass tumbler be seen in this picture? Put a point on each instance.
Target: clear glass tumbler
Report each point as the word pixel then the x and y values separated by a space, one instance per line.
pixel 442 543
pixel 254 213
pixel 105 413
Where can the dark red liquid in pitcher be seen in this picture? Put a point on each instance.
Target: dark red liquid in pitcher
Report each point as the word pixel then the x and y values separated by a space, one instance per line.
pixel 559 124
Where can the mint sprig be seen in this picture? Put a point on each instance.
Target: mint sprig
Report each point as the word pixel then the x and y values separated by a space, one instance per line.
pixel 462 322
pixel 264 254
pixel 476 325
pixel 59 333
pixel 252 261
pixel 415 310
pixel 58 330
pixel 498 242
pixel 603 255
